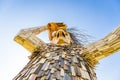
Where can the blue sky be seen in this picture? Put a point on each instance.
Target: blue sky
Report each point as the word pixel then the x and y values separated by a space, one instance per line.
pixel 96 17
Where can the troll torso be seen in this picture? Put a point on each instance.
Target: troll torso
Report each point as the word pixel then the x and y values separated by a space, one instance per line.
pixel 58 63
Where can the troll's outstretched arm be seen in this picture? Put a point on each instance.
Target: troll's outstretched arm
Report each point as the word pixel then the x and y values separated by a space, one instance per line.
pixel 27 38
pixel 104 47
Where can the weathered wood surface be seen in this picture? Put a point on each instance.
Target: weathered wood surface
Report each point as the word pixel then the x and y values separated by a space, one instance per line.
pixel 27 38
pixel 57 63
pixel 104 47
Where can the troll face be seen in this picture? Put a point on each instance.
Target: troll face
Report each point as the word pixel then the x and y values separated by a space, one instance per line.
pixel 61 37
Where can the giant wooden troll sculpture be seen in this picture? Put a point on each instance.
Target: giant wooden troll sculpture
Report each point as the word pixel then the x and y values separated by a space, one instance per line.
pixel 63 58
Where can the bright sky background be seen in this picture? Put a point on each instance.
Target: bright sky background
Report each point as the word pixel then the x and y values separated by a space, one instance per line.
pixel 96 17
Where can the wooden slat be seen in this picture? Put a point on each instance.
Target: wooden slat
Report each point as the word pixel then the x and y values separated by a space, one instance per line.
pixel 104 47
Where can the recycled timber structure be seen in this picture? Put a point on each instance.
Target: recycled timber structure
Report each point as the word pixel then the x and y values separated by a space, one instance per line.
pixel 62 59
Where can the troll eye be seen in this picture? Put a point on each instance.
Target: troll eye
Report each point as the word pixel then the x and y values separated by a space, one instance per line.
pixel 66 34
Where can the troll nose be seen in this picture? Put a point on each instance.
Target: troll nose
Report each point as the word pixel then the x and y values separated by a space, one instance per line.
pixel 61 34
